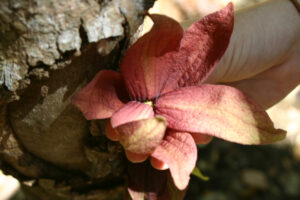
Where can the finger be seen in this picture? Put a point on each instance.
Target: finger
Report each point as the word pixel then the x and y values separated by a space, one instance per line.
pixel 260 40
pixel 271 86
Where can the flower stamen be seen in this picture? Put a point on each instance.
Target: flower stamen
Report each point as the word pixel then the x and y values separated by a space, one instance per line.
pixel 150 103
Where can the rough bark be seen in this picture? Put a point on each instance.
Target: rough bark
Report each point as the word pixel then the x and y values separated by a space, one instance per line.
pixel 48 50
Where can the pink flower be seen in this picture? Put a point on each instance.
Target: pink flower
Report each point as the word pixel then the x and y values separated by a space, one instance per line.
pixel 158 104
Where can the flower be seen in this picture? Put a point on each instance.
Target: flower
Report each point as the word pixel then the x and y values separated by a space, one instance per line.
pixel 158 104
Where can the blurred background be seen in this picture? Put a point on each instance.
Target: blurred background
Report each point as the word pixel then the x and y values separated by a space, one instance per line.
pixel 235 171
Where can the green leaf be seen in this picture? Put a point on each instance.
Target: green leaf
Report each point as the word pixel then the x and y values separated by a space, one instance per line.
pixel 196 172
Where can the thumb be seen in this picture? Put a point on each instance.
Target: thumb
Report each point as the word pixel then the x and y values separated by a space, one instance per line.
pixel 264 36
pixel 271 86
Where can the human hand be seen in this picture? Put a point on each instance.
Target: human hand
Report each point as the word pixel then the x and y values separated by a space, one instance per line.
pixel 263 57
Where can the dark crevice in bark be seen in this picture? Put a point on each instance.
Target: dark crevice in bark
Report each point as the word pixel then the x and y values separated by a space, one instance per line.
pixel 148 4
pixel 124 43
pixel 83 36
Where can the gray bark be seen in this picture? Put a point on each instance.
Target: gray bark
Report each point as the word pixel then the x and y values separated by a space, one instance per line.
pixel 49 49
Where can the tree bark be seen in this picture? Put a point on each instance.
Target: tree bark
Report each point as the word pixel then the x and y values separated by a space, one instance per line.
pixel 49 49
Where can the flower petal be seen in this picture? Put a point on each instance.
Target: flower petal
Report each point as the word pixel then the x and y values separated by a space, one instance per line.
pixel 172 192
pixel 132 111
pixel 178 150
pixel 142 137
pixel 142 77
pixel 100 98
pixel 111 133
pixel 201 138
pixel 157 164
pixel 218 110
pixel 145 182
pixel 136 158
pixel 201 47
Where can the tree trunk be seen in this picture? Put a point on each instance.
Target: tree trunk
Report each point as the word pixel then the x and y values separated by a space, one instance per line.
pixel 49 49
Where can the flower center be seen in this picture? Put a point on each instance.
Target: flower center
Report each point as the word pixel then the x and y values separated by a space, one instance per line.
pixel 150 103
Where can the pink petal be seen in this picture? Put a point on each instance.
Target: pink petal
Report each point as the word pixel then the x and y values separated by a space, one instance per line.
pixel 144 182
pixel 172 191
pixel 142 137
pixel 132 111
pixel 178 150
pixel 100 98
pixel 157 164
pixel 143 78
pixel 111 133
pixel 220 111
pixel 136 158
pixel 201 48
pixel 201 138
